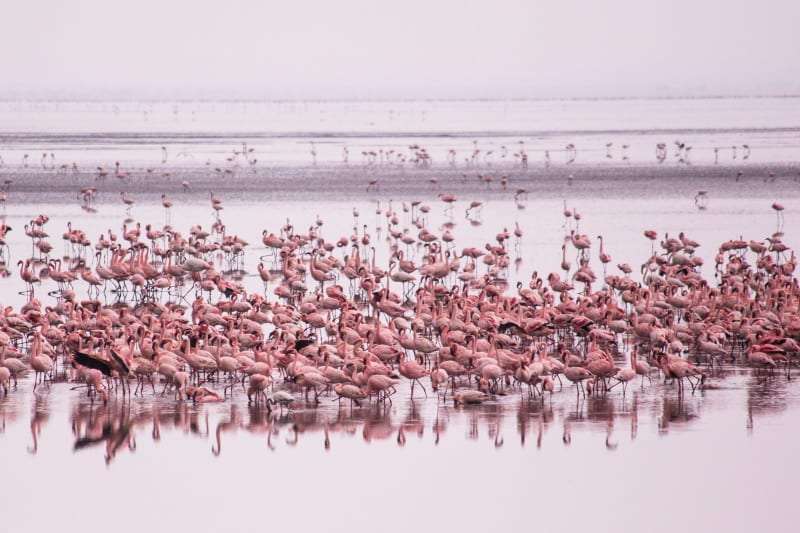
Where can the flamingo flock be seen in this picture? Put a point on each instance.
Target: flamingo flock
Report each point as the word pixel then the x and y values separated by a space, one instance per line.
pixel 165 312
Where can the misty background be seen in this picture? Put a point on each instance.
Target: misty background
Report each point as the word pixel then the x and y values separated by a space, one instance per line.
pixel 354 49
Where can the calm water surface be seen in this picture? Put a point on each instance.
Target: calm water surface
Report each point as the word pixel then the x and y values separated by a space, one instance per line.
pixel 645 461
pixel 724 456
pixel 283 132
pixel 649 460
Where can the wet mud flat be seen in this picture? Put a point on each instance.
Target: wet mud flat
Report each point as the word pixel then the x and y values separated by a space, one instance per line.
pixel 356 181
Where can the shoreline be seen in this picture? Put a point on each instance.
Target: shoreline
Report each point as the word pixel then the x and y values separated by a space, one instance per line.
pixel 346 182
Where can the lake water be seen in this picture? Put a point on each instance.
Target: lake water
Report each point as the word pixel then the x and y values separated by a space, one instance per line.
pixel 648 460
pixel 282 132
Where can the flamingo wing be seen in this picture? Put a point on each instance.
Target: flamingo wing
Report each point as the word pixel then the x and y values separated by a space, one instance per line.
pixel 92 362
pixel 299 344
pixel 123 365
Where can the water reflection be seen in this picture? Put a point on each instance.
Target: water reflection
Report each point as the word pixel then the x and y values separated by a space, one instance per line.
pixel 115 427
pixel 675 412
pixel 40 415
pixel 9 410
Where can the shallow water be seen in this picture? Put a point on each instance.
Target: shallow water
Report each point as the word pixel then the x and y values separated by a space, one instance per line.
pixel 613 463
pixel 646 460
pixel 619 220
pixel 617 462
pixel 282 133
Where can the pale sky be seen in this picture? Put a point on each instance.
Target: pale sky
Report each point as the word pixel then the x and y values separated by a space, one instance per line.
pixel 398 49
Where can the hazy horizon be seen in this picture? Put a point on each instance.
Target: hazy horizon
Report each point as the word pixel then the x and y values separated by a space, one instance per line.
pixel 170 98
pixel 358 50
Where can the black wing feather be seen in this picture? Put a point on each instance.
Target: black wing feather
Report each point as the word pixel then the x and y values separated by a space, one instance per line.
pixel 92 362
pixel 299 344
pixel 123 366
